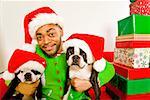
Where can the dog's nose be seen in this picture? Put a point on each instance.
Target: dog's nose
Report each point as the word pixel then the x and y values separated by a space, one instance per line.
pixel 75 59
pixel 28 77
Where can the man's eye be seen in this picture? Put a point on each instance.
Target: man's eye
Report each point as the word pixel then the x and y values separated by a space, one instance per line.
pixel 39 37
pixel 51 34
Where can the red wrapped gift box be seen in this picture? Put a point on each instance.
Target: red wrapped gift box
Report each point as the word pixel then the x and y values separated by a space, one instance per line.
pixel 131 73
pixel 133 44
pixel 141 7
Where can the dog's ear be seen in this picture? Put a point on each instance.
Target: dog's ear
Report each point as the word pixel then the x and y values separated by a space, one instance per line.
pixel 39 90
pixel 84 55
pixel 69 52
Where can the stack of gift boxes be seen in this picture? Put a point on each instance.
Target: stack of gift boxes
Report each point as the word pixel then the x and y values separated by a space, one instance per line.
pixel 132 55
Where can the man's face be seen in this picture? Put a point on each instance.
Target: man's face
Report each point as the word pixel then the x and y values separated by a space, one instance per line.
pixel 49 38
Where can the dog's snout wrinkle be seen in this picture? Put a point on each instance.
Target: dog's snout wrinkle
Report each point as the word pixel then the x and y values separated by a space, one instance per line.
pixel 76 58
pixel 28 77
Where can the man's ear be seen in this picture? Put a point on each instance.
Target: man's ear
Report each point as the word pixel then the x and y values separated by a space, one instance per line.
pixel 62 32
pixel 61 29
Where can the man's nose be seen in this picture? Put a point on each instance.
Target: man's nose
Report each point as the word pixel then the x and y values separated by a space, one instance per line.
pixel 47 40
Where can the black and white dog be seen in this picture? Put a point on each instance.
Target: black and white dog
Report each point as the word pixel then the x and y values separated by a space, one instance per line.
pixel 80 61
pixel 29 73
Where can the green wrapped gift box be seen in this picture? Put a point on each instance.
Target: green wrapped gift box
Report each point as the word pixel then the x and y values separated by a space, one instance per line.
pixel 131 87
pixel 134 24
pixel 116 94
pixel 132 0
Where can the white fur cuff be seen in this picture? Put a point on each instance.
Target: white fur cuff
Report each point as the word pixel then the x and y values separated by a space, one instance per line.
pixel 100 65
pixel 8 76
pixel 43 19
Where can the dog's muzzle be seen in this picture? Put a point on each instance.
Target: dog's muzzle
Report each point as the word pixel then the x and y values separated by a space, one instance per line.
pixel 28 77
pixel 75 60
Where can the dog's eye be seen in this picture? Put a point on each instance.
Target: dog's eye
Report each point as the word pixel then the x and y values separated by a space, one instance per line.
pixel 70 51
pixel 21 71
pixel 83 54
pixel 35 72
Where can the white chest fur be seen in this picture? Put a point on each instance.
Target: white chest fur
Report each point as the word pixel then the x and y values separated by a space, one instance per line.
pixel 83 73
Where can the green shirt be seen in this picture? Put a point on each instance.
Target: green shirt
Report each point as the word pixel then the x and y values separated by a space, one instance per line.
pixel 55 76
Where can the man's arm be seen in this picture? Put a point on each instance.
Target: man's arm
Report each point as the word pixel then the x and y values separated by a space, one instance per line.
pixel 80 85
pixel 103 77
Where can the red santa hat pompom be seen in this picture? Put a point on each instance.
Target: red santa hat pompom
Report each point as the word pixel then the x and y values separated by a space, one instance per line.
pixel 36 19
pixel 23 59
pixel 92 45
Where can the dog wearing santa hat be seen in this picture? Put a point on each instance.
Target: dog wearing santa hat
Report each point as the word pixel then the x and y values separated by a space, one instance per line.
pixel 84 58
pixel 27 67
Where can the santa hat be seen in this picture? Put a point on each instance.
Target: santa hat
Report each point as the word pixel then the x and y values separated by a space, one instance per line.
pixel 38 18
pixel 92 45
pixel 23 59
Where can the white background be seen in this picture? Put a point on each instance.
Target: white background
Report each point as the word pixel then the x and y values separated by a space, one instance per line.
pixel 94 17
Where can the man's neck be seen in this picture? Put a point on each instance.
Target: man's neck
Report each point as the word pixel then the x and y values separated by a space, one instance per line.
pixel 60 49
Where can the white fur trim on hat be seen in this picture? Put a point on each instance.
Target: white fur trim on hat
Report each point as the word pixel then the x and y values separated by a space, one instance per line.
pixel 99 65
pixel 80 44
pixel 43 19
pixel 30 47
pixel 32 65
pixel 8 76
pixel 34 42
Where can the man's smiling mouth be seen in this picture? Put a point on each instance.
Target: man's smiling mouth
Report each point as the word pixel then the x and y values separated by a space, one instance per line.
pixel 49 48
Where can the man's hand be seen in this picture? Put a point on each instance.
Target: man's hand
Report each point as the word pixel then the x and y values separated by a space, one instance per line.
pixel 80 85
pixel 27 89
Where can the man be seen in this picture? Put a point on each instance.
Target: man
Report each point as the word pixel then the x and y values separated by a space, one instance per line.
pixel 45 27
